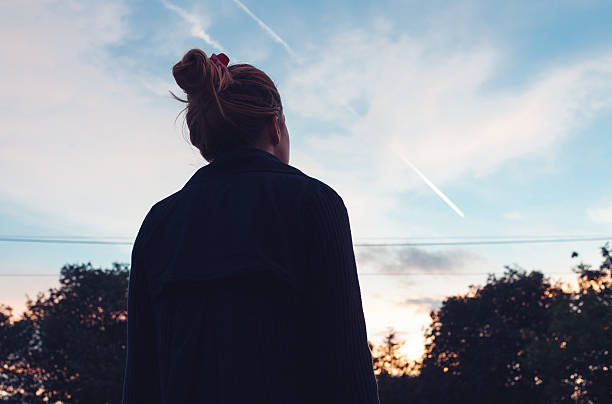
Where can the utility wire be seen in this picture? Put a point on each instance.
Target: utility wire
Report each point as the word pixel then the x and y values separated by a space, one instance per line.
pixel 507 236
pixel 404 238
pixel 360 274
pixel 26 275
pixel 484 242
pixel 441 273
pixel 400 244
pixel 397 244
pixel 63 241
pixel 91 236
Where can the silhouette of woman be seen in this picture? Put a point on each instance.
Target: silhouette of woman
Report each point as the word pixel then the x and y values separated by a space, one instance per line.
pixel 243 285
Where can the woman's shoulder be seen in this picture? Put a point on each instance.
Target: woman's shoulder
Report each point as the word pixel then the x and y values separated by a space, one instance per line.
pixel 322 196
pixel 153 216
pixel 313 192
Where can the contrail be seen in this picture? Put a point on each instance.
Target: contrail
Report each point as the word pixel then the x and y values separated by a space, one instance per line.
pixel 263 25
pixel 416 170
pixel 196 25
pixel 429 183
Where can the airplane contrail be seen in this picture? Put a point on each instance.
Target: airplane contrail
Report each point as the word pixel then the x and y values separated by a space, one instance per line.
pixel 263 25
pixel 196 25
pixel 429 183
pixel 419 173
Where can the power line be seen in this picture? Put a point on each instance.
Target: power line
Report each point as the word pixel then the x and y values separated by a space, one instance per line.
pixel 447 273
pixel 398 244
pixel 26 275
pixel 98 236
pixel 507 236
pixel 63 241
pixel 455 237
pixel 484 242
pixel 440 273
pixel 422 244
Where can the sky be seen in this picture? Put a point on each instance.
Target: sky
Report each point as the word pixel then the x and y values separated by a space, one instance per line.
pixel 504 107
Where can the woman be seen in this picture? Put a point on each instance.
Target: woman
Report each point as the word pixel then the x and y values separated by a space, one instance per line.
pixel 243 286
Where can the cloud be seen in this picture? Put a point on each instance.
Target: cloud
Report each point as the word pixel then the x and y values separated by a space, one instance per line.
pixel 413 259
pixel 513 215
pixel 600 214
pixel 80 130
pixel 421 304
pixel 83 141
pixel 197 27
pixel 437 104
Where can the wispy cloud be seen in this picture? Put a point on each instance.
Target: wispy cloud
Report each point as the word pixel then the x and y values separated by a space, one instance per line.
pixel 600 215
pixel 108 106
pixel 432 99
pixel 197 28
pixel 513 215
pixel 266 28
pixel 421 304
pixel 413 259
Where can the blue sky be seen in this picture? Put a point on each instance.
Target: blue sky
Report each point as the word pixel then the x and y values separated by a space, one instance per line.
pixel 505 106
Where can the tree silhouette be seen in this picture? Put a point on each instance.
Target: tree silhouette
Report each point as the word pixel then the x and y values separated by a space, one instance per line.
pixel 518 338
pixel 10 377
pixel 17 376
pixel 521 338
pixel 71 341
pixel 477 341
pixel 387 358
pixel 395 374
pixel 573 360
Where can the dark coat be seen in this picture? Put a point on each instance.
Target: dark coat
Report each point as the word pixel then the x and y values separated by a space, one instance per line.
pixel 244 289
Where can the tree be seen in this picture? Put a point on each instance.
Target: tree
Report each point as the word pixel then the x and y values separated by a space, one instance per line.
pixel 573 360
pixel 15 373
pixel 396 375
pixel 387 358
pixel 72 340
pixel 521 338
pixel 476 341
pixel 517 338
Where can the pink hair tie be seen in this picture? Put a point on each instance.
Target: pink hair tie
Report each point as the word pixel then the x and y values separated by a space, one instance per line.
pixel 221 59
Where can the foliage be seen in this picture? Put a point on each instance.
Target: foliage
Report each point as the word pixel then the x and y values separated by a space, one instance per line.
pixel 573 360
pixel 396 376
pixel 477 341
pixel 70 342
pixel 518 338
pixel 387 358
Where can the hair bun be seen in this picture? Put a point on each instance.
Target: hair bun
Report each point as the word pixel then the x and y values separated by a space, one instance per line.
pixel 192 72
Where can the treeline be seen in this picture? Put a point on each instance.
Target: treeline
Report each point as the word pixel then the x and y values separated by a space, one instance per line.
pixel 69 345
pixel 518 338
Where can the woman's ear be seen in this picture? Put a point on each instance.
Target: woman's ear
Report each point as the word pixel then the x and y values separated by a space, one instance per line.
pixel 277 126
pixel 274 131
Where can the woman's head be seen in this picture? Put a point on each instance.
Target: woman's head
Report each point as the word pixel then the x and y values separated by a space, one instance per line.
pixel 230 107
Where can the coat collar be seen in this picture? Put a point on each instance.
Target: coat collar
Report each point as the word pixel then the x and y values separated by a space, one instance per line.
pixel 243 159
pixel 242 155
